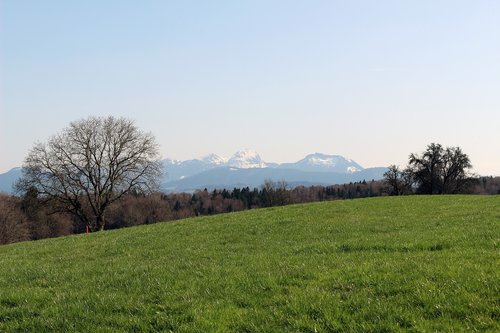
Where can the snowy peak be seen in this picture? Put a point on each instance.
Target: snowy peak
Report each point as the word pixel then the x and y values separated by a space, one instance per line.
pixel 314 165
pixel 214 159
pixel 169 161
pixel 206 161
pixel 352 169
pixel 324 162
pixel 246 159
pixel 250 159
pixel 322 159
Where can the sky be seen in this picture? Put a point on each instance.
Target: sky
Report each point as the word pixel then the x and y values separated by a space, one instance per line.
pixel 370 80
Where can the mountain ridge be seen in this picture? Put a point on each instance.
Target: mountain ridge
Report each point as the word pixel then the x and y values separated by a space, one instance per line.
pixel 246 168
pixel 249 159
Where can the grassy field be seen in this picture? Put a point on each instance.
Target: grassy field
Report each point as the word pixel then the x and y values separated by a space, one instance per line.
pixel 420 264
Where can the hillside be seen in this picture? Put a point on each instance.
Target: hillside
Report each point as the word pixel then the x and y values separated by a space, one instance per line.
pixel 383 264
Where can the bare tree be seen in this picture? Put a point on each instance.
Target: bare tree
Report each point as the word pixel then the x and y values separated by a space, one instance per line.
pixel 90 165
pixel 275 193
pixel 397 182
pixel 13 223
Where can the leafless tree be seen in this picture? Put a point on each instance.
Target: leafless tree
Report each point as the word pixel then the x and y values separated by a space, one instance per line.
pixel 91 164
pixel 275 193
pixel 13 223
pixel 397 182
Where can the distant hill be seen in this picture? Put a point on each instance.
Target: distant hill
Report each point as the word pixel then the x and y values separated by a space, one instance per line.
pixel 8 179
pixel 227 177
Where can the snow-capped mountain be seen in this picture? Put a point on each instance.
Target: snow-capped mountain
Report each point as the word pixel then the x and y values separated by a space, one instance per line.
pixel 246 159
pixel 214 159
pixel 250 159
pixel 246 168
pixel 324 162
pixel 176 169
pixel 227 177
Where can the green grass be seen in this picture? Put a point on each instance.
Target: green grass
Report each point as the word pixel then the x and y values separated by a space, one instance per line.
pixel 418 264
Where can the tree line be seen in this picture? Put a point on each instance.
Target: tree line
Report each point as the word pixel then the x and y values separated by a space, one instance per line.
pixel 31 217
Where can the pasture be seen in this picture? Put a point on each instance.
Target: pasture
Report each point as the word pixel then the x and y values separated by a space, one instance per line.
pixel 416 263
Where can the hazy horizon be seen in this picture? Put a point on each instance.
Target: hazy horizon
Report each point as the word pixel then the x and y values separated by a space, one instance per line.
pixel 371 81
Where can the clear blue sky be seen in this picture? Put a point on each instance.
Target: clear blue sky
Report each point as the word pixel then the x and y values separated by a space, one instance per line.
pixel 370 80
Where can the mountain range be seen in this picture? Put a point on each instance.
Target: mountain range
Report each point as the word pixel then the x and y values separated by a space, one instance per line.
pixel 246 168
pixel 8 179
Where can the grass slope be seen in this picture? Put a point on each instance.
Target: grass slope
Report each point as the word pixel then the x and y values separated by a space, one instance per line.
pixel 385 264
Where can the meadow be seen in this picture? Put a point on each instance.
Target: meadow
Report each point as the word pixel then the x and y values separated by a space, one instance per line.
pixel 388 264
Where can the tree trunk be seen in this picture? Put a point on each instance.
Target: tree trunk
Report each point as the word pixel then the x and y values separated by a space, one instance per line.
pixel 100 222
